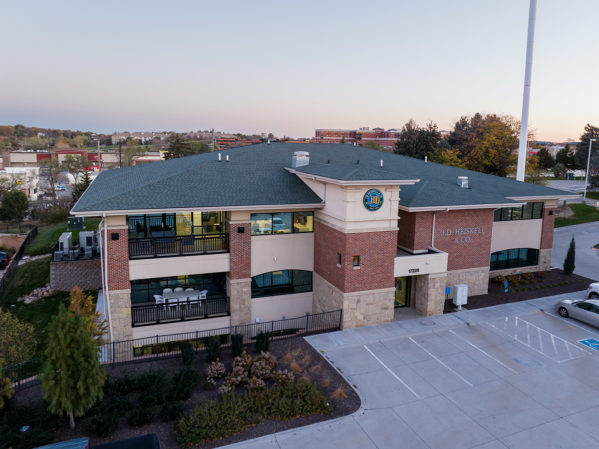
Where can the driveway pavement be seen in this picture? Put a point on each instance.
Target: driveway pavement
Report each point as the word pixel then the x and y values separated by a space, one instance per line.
pixel 509 376
pixel 586 236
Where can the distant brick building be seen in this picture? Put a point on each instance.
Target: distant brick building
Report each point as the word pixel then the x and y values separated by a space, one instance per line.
pixel 384 138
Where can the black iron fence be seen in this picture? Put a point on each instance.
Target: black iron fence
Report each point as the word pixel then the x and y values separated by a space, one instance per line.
pixel 24 374
pixel 147 314
pixel 12 265
pixel 144 248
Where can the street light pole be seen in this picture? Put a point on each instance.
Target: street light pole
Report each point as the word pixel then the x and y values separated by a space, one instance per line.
pixel 586 178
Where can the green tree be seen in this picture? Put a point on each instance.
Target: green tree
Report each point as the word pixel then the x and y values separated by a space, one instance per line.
pixel 81 186
pixel 14 206
pixel 447 156
pixel 83 305
pixel 590 132
pixel 71 376
pixel 19 130
pixel 18 342
pixel 545 160
pixel 566 157
pixel 569 264
pixel 418 142
pixel 177 147
pixel 199 147
pixel 373 145
pixel 6 388
pixel 560 170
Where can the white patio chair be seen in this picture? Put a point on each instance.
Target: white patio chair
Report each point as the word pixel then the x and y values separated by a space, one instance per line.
pixel 178 289
pixel 167 290
pixel 189 289
pixel 203 294
pixel 159 299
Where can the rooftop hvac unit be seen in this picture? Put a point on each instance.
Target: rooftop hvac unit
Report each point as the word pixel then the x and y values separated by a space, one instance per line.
pixel 460 295
pixel 73 254
pixel 64 241
pixel 86 239
pixel 58 256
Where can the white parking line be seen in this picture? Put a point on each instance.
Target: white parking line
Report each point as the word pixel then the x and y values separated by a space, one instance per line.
pixel 391 372
pixel 485 353
pixel 570 323
pixel 429 353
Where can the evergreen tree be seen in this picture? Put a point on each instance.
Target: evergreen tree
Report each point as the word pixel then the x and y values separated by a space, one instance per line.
pixel 570 257
pixel 177 147
pixel 582 151
pixel 14 206
pixel 83 305
pixel 71 376
pixel 546 161
pixel 81 186
pixel 566 157
pixel 6 388
pixel 17 342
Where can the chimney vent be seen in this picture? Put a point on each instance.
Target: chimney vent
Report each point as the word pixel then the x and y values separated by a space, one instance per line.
pixel 426 159
pixel 227 158
pixel 300 158
pixel 463 182
pixel 268 142
pixel 220 157
pixel 381 163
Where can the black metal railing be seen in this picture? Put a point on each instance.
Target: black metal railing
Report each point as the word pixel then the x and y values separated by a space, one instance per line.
pixel 145 248
pixel 148 314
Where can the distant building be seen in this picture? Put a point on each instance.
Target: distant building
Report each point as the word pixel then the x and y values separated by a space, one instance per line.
pixel 143 137
pixel 26 179
pixel 384 138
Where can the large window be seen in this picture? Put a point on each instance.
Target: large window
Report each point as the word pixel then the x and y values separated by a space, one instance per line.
pixel 170 225
pixel 282 223
pixel 529 211
pixel 513 258
pixel 143 290
pixel 282 282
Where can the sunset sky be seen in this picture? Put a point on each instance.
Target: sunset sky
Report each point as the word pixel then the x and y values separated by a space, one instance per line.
pixel 291 67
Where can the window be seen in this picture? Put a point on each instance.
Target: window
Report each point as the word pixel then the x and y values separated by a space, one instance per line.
pixel 339 259
pixel 356 261
pixel 527 212
pixel 282 282
pixel 282 223
pixel 170 225
pixel 143 290
pixel 514 257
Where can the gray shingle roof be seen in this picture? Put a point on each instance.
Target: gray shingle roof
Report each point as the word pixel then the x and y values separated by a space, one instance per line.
pixel 256 175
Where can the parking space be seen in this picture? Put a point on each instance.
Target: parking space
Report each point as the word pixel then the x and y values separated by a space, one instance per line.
pixel 486 378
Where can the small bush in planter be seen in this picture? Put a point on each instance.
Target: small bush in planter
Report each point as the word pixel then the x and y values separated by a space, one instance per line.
pixel 213 349
pixel 187 353
pixel 140 417
pixel 154 396
pixel 182 384
pixel 236 345
pixel 148 380
pixel 102 424
pixel 262 342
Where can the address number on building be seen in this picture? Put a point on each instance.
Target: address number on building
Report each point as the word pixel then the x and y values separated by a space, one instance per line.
pixel 413 270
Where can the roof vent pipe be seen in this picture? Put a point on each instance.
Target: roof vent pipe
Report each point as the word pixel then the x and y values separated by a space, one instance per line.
pixel 354 144
pixel 268 142
pixel 227 158
pixel 299 159
pixel 463 182
pixel 220 157
pixel 426 159
pixel 381 163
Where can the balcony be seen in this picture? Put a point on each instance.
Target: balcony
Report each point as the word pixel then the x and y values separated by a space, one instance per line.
pixel 178 245
pixel 150 313
pixel 409 264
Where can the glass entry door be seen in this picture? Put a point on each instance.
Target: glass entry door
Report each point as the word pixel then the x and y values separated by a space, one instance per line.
pixel 402 291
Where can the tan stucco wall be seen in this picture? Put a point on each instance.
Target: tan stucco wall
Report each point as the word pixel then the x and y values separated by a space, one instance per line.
pixel 477 280
pixel 282 252
pixel 181 327
pixel 120 314
pixel 276 307
pixel 116 222
pixel 424 263
pixel 516 234
pixel 345 211
pixel 178 266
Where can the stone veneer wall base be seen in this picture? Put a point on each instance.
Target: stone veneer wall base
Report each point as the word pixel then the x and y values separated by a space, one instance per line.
pixel 429 293
pixel 240 300
pixel 120 314
pixel 477 280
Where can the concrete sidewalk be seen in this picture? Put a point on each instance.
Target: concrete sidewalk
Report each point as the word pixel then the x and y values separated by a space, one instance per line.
pixel 509 376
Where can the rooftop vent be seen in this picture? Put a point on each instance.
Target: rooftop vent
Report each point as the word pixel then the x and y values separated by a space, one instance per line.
pixel 463 182
pixel 300 158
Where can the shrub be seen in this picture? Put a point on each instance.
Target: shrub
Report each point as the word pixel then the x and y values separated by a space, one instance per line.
pixel 499 279
pixel 216 370
pixel 123 385
pixel 287 358
pixel 114 404
pixel 213 349
pixel 326 382
pixel 171 411
pixel 293 366
pixel 316 368
pixel 541 274
pixel 209 385
pixel 140 417
pixel 530 277
pixel 263 365
pixel 102 424
pixel 282 376
pixel 236 345
pixel 148 381
pixel 182 384
pixel 569 262
pixel 307 359
pixel 187 353
pixel 514 280
pixel 256 384
pixel 154 396
pixel 339 393
pixel 262 342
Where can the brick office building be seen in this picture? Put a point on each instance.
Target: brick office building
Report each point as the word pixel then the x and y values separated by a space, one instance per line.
pixel 272 231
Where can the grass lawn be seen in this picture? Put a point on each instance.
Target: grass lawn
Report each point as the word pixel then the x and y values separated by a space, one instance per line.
pixel 582 214
pixel 48 235
pixel 593 195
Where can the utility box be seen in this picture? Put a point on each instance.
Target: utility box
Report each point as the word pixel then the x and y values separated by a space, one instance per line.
pixel 64 241
pixel 75 223
pixel 86 239
pixel 460 295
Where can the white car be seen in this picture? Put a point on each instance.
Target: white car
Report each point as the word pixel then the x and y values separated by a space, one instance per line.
pixel 593 290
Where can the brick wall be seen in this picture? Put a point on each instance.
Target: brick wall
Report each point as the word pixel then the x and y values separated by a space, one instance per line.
pixel 466 236
pixel 118 260
pixel 415 230
pixel 377 251
pixel 547 229
pixel 240 248
pixel 86 274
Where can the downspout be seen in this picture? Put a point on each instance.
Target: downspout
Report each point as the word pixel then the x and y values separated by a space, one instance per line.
pixel 104 264
pixel 433 231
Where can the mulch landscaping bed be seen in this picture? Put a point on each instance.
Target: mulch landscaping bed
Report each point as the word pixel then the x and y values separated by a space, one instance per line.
pixel 327 380
pixel 546 283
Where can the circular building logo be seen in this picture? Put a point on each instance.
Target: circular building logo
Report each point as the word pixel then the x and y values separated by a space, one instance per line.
pixel 373 199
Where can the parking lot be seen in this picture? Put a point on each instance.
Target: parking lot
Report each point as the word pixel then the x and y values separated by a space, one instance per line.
pixel 509 376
